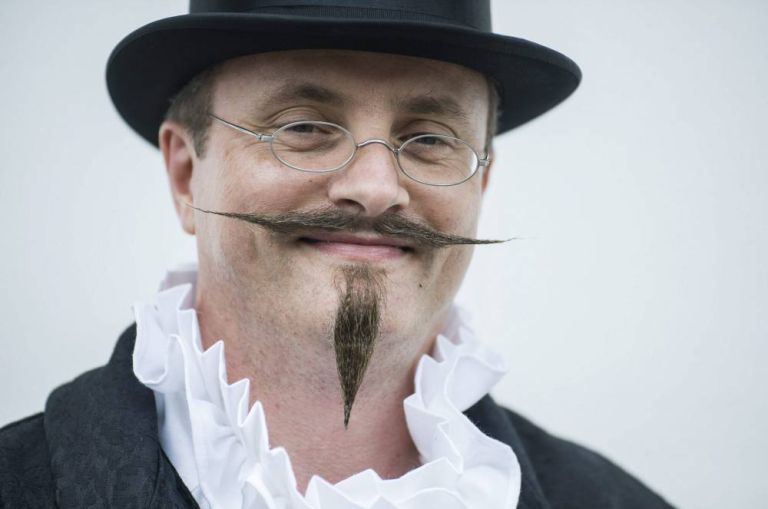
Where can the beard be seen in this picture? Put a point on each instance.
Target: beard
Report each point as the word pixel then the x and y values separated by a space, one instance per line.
pixel 356 328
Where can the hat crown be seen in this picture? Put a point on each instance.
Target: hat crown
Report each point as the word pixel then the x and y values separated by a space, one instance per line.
pixel 475 14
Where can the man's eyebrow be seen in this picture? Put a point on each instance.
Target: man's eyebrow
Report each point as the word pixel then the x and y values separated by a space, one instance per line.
pixel 307 91
pixel 433 105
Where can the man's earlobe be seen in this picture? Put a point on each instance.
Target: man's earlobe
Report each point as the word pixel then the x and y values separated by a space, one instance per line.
pixel 178 156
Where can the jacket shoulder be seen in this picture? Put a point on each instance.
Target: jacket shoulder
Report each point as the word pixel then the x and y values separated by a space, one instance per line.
pixel 25 467
pixel 573 476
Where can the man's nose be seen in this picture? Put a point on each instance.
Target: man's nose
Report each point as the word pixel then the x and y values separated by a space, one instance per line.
pixel 371 182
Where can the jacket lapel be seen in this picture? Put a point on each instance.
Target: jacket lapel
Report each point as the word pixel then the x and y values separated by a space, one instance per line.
pixel 102 435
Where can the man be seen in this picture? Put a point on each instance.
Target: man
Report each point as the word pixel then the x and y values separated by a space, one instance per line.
pixel 330 159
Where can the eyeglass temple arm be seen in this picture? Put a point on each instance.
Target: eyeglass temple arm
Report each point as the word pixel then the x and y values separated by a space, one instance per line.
pixel 259 136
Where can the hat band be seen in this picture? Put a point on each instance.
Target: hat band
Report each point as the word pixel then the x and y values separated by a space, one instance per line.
pixel 467 13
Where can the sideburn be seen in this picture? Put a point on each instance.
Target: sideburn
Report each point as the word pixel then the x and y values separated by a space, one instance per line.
pixel 356 328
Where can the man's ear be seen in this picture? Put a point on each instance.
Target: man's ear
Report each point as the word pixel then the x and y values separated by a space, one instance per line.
pixel 487 170
pixel 179 157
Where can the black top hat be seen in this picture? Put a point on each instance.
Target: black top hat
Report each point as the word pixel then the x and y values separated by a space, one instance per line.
pixel 149 66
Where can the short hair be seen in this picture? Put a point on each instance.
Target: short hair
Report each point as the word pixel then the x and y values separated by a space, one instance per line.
pixel 494 112
pixel 190 106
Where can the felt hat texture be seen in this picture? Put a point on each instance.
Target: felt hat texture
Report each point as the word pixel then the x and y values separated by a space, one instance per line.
pixel 150 65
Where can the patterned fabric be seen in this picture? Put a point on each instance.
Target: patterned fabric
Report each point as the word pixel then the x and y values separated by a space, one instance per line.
pixel 96 446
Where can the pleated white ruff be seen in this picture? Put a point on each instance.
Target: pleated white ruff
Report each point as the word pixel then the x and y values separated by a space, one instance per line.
pixel 220 447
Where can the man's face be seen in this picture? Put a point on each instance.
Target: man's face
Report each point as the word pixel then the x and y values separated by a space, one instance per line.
pixel 289 284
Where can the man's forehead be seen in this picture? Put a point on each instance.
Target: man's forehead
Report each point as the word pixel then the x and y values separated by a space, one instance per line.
pixel 332 75
pixel 364 62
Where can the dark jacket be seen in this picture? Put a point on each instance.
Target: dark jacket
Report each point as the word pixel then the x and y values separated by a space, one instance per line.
pixel 96 445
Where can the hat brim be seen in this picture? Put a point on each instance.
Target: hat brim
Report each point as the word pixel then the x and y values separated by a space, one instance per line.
pixel 150 65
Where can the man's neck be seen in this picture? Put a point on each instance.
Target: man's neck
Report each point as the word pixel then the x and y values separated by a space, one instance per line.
pixel 296 381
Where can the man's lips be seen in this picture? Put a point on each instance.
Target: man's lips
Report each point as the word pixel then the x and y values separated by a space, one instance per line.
pixel 357 246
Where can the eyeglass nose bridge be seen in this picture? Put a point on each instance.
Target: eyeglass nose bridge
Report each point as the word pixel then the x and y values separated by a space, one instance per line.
pixel 371 141
pixel 387 144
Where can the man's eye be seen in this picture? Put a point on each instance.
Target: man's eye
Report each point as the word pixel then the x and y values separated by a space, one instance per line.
pixel 306 136
pixel 303 128
pixel 410 136
pixel 423 139
pixel 429 140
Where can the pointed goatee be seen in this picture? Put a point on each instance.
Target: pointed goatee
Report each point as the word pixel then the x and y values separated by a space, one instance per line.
pixel 356 329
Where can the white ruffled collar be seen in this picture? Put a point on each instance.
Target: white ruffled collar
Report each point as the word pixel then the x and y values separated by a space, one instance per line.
pixel 221 450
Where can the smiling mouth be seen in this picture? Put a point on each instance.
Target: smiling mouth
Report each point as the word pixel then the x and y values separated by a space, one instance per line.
pixel 357 248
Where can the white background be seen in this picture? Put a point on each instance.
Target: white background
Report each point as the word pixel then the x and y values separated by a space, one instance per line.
pixel 633 315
